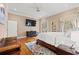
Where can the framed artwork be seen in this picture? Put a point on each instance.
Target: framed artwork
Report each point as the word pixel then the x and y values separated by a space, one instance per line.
pixel 44 25
pixel 2 15
pixel 68 25
pixel 53 27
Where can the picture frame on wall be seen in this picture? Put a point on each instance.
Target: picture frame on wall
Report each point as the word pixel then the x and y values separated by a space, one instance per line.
pixel 2 15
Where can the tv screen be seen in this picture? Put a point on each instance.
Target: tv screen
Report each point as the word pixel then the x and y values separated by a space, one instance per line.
pixel 30 22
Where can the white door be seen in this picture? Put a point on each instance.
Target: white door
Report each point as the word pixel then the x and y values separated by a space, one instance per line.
pixel 12 28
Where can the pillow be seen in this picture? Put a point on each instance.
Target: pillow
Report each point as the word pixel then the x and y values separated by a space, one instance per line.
pixel 59 40
pixel 50 37
pixel 68 42
pixel 46 37
pixel 30 44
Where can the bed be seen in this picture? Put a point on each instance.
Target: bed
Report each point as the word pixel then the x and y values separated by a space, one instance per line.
pixel 56 42
pixel 60 50
pixel 42 48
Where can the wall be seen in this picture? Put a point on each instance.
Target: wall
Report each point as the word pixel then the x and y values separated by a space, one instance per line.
pixel 21 28
pixel 44 25
pixel 64 21
pixel 53 23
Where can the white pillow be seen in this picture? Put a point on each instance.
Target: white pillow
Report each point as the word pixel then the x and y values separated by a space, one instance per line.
pixel 59 40
pixel 53 38
pixel 68 42
pixel 48 37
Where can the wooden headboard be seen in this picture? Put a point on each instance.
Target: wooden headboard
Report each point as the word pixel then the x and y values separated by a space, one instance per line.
pixel 57 50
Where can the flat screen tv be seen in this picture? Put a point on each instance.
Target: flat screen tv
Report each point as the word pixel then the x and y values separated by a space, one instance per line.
pixel 30 22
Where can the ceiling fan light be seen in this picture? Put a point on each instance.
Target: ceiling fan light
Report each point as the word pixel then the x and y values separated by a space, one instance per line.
pixel 38 10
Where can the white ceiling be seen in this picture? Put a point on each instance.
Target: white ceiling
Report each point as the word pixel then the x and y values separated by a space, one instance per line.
pixel 46 9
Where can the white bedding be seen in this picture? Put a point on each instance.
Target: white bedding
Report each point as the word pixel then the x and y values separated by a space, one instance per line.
pixel 56 38
pixel 51 37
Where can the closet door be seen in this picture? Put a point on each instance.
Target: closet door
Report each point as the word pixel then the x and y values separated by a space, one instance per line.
pixel 12 28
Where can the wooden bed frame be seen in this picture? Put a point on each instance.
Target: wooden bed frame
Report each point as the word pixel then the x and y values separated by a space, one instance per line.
pixel 57 50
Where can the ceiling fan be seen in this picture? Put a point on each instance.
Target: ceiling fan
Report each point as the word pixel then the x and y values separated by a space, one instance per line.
pixel 37 9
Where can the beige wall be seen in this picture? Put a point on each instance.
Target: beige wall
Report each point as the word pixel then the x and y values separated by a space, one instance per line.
pixel 53 23
pixel 21 28
pixel 59 20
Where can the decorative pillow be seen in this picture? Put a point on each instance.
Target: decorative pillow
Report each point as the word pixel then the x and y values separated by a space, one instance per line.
pixel 30 44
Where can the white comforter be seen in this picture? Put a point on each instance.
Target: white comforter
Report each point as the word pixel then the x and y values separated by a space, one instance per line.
pixel 57 38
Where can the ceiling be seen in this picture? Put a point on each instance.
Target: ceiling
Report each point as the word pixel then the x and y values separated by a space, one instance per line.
pixel 46 9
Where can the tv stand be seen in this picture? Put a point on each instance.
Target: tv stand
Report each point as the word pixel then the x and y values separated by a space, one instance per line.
pixel 31 33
